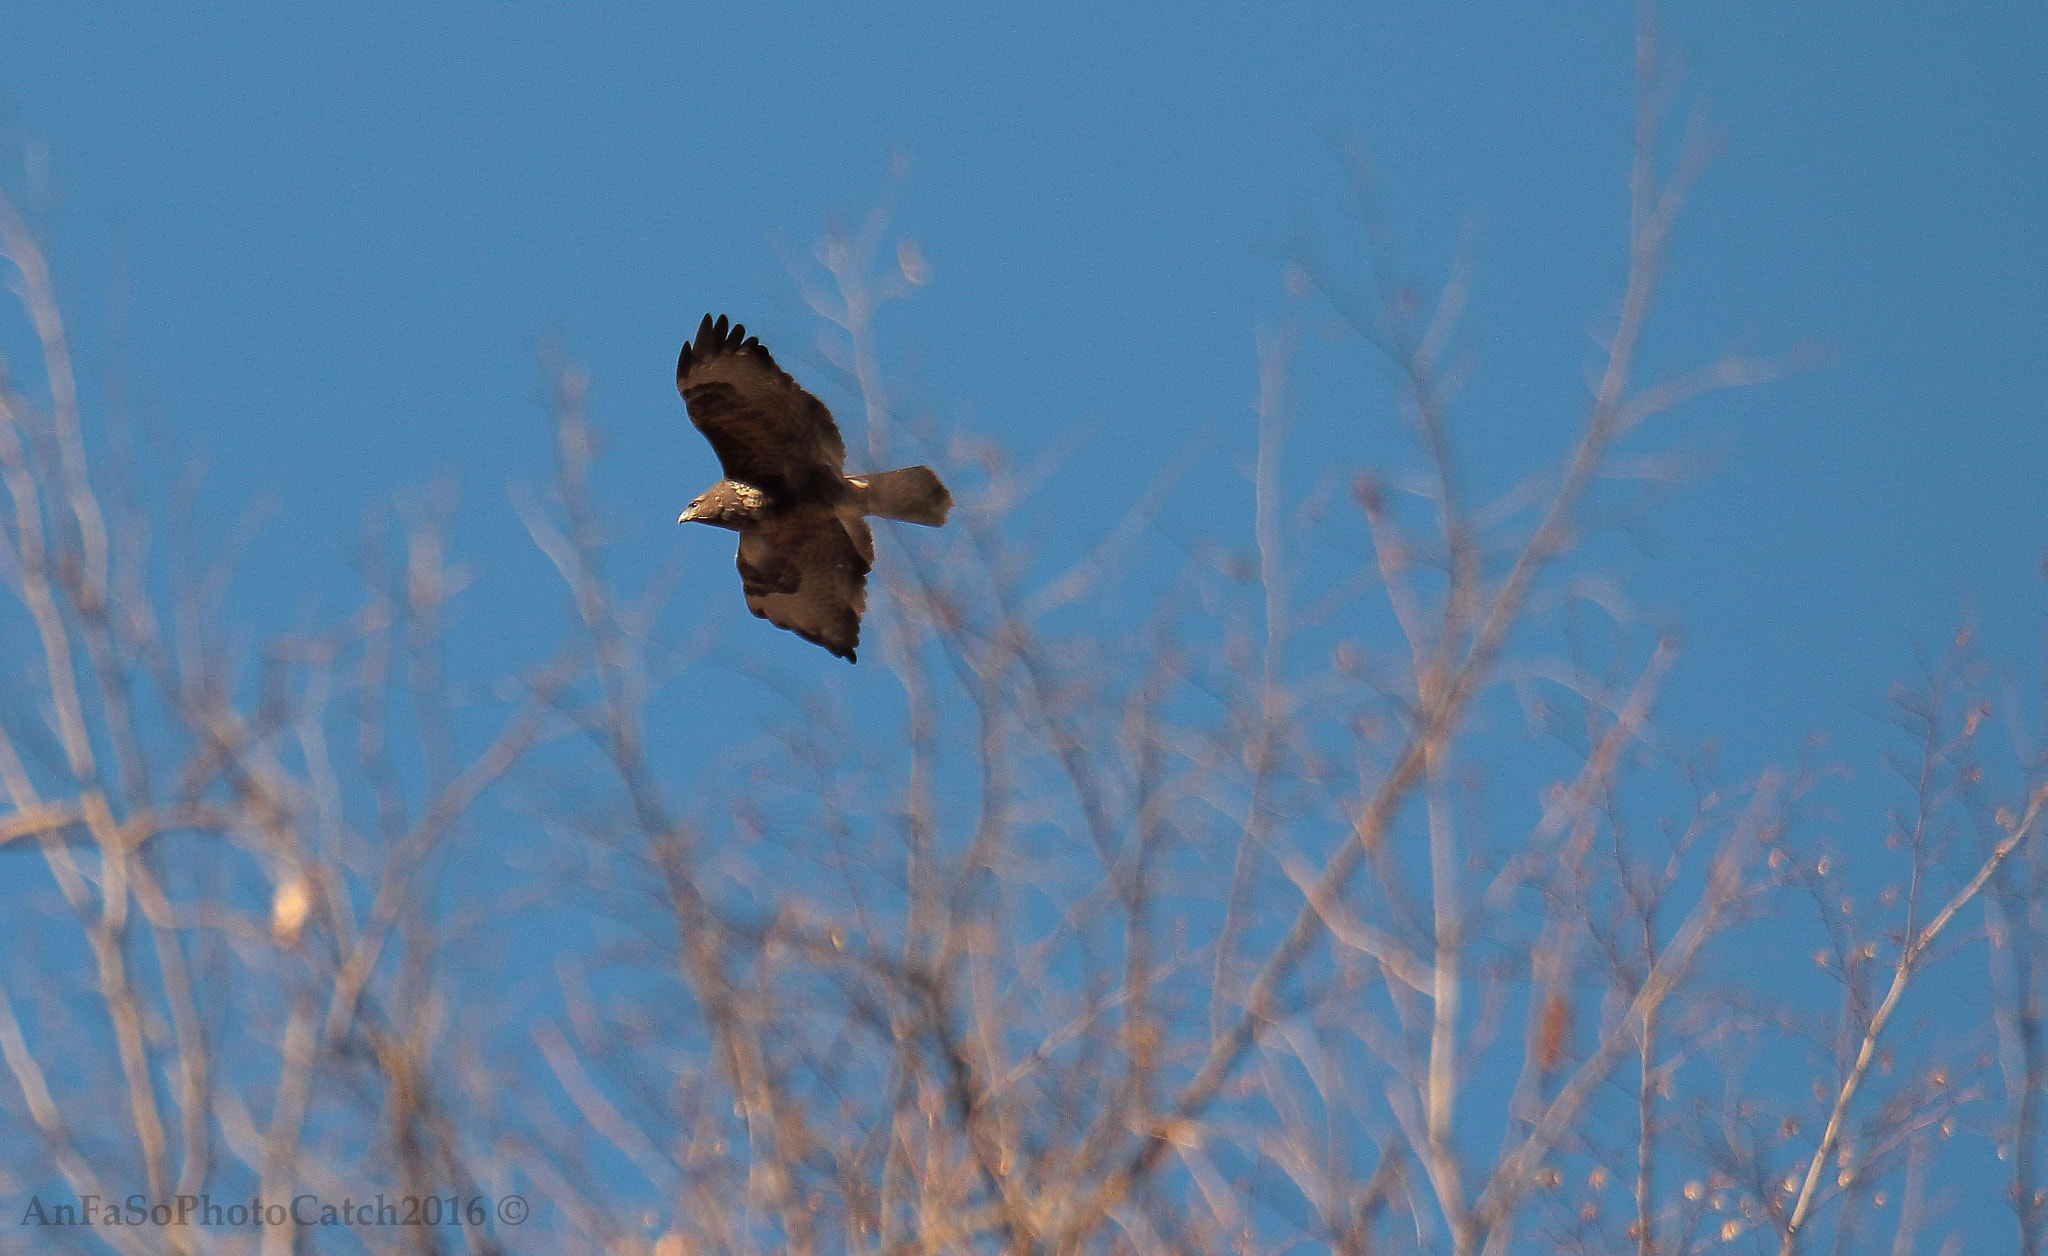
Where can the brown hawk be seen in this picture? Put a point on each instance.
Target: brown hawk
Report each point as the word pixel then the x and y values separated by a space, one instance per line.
pixel 805 548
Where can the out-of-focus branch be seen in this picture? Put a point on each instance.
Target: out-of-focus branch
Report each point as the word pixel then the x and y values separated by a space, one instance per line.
pixel 1444 697
pixel 2018 831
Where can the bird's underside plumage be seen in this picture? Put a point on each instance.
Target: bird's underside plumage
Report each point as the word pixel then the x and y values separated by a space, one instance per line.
pixel 807 571
pixel 805 546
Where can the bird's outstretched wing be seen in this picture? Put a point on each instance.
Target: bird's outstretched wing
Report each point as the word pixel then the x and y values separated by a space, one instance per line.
pixel 766 430
pixel 808 572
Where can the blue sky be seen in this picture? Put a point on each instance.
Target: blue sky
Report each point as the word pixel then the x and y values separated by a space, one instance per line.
pixel 336 236
pixel 343 233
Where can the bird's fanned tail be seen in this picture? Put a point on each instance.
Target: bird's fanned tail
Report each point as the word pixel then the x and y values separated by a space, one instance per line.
pixel 912 494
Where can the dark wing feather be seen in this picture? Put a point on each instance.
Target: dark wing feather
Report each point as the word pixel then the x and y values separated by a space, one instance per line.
pixel 766 430
pixel 808 572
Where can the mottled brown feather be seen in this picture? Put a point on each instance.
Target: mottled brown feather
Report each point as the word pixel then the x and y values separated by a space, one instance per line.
pixel 766 430
pixel 807 571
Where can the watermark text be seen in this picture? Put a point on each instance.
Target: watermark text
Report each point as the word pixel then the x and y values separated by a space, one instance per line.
pixel 306 1211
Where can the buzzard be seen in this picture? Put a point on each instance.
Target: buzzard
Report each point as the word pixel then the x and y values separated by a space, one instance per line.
pixel 805 548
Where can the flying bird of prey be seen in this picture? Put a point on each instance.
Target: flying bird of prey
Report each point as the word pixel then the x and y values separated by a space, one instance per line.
pixel 805 548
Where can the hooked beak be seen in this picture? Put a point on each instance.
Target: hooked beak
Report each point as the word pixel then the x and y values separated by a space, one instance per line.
pixel 689 514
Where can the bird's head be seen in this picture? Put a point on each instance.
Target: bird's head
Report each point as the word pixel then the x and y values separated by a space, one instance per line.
pixel 726 504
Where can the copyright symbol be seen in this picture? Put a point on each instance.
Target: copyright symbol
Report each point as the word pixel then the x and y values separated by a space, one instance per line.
pixel 512 1209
